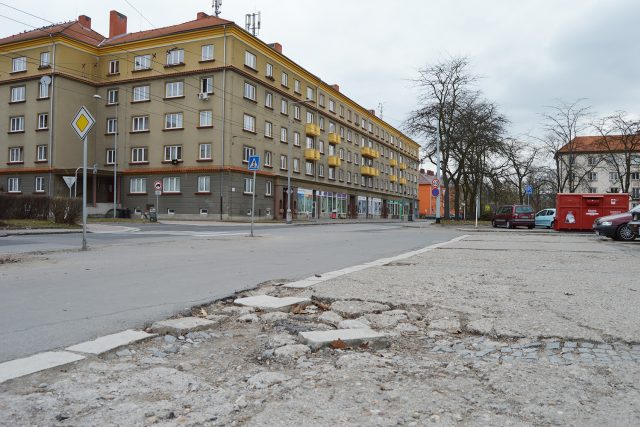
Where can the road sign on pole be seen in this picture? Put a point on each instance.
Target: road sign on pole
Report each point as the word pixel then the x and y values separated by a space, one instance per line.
pixel 435 191
pixel 157 185
pixel 82 124
pixel 69 180
pixel 254 163
pixel 435 182
pixel 528 189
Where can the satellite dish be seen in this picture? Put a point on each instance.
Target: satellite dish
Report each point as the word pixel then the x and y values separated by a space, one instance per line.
pixel 45 80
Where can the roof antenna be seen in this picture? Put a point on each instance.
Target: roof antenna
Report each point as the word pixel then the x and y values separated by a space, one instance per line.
pixel 380 107
pixel 216 7
pixel 252 23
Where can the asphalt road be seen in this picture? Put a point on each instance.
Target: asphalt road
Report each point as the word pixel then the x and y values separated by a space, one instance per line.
pixel 129 279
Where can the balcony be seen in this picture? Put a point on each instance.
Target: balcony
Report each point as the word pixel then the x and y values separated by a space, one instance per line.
pixel 312 129
pixel 393 178
pixel 369 153
pixel 334 138
pixel 369 171
pixel 403 181
pixel 403 166
pixel 393 163
pixel 312 154
pixel 334 161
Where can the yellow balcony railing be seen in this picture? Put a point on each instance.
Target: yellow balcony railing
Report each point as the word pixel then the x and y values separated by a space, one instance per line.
pixel 312 129
pixel 403 181
pixel 334 161
pixel 393 178
pixel 312 154
pixel 334 138
pixel 369 153
pixel 403 166
pixel 369 171
pixel 393 162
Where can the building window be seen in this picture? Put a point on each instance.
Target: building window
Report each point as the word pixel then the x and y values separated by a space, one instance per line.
pixel 19 64
pixel 139 155
pixel 349 136
pixel 112 126
pixel 206 118
pixel 284 135
pixel 173 121
pixel 204 184
pixel 308 168
pixel 332 172
pixel 206 85
pixel 321 100
pixel 138 185
pixel 283 162
pixel 268 191
pixel 310 117
pixel 296 139
pixel 114 66
pixel 340 175
pixel 341 110
pixel 321 123
pixel 175 57
pixel 45 59
pixel 18 94
pixel 111 156
pixel 341 153
pixel 41 153
pixel 16 155
pixel 592 161
pixel 332 106
pixel 112 96
pixel 284 107
pixel 140 124
pixel 310 94
pixel 611 190
pixel 592 176
pixel 321 147
pixel 284 79
pixel 247 152
pixel 348 156
pixel 296 86
pixel 248 186
pixel 249 123
pixel 268 100
pixel 174 89
pixel 140 93
pixel 321 170
pixel 249 91
pixel 268 130
pixel 594 190
pixel 39 184
pixel 207 52
pixel 13 185
pixel 205 151
pixel 296 112
pixel 43 121
pixel 250 60
pixel 310 143
pixel 142 62
pixel 267 159
pixel 348 177
pixel 16 124
pixel 171 184
pixel 172 152
pixel 613 176
pixel 296 165
pixel 635 193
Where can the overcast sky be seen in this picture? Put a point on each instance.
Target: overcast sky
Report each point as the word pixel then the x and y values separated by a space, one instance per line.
pixel 529 53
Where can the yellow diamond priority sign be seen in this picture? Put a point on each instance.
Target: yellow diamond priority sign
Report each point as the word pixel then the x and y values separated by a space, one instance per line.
pixel 83 122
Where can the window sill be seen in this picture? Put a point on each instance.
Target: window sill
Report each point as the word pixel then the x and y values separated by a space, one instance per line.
pixel 139 131
pixel 171 193
pixel 113 104
pixel 14 192
pixel 15 131
pixel 44 67
pixel 171 129
pixel 38 192
pixel 202 193
pixel 268 107
pixel 250 131
pixel 17 72
pixel 112 134
pixel 169 98
pixel 138 163
pixel 180 64
pixel 17 102
pixel 112 74
pixel 41 161
pixel 141 70
pixel 250 100
pixel 170 162
pixel 14 163
pixel 42 130
pixel 108 165
pixel 248 67
pixel 269 137
pixel 285 86
pixel 205 127
pixel 206 61
pixel 270 78
pixel 268 166
pixel 141 101
pixel 43 99
pixel 137 194
pixel 204 160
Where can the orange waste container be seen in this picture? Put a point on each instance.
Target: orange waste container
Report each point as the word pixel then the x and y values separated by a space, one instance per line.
pixel 576 211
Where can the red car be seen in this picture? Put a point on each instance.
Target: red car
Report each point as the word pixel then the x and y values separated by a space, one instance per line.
pixel 512 216
pixel 616 226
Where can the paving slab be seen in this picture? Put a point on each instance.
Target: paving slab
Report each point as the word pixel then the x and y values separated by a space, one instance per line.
pixel 269 303
pixel 182 325
pixel 37 362
pixel 110 342
pixel 351 337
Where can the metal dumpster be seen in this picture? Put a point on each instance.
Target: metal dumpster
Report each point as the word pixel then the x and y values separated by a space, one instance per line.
pixel 575 211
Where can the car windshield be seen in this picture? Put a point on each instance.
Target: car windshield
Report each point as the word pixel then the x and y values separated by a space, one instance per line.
pixel 636 209
pixel 524 209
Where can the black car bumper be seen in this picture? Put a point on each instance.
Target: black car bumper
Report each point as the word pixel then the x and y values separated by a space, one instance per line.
pixel 605 230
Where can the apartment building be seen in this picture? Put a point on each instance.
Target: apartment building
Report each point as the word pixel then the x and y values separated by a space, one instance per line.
pixel 596 170
pixel 182 108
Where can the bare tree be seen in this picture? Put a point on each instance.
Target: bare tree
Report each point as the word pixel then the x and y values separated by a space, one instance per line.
pixel 520 158
pixel 442 86
pixel 619 143
pixel 563 123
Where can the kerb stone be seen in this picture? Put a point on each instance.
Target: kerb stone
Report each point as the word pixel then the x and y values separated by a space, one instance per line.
pixel 110 342
pixel 350 337
pixel 38 362
pixel 182 325
pixel 269 303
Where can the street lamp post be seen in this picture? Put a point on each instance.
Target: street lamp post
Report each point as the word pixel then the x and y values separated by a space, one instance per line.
pixel 289 217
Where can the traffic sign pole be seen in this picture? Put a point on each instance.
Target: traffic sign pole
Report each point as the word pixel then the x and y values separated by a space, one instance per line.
pixel 253 201
pixel 84 193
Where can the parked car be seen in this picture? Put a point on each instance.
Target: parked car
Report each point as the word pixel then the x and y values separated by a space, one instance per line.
pixel 512 216
pixel 616 226
pixel 635 221
pixel 546 218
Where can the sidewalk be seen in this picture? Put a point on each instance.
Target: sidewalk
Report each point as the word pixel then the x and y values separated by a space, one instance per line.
pixel 494 329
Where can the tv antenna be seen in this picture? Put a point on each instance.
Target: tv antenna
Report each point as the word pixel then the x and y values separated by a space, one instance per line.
pixel 216 7
pixel 380 107
pixel 252 23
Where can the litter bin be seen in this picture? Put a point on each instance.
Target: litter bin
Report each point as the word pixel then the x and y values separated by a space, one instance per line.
pixel 153 215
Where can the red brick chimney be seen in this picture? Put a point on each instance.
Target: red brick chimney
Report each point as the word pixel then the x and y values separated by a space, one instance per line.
pixel 276 46
pixel 336 87
pixel 201 15
pixel 117 24
pixel 85 21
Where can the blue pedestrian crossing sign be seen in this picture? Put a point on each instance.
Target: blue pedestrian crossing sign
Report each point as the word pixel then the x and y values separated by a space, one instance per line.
pixel 254 163
pixel 528 189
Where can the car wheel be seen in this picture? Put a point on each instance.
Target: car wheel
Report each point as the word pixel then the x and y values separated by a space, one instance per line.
pixel 493 223
pixel 530 227
pixel 552 224
pixel 509 224
pixel 625 233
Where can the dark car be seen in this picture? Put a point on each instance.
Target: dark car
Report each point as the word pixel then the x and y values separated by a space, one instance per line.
pixel 512 216
pixel 616 226
pixel 635 221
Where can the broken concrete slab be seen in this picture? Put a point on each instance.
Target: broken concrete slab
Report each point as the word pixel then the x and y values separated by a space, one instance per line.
pixel 353 309
pixel 110 342
pixel 36 363
pixel 181 326
pixel 350 337
pixel 269 303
